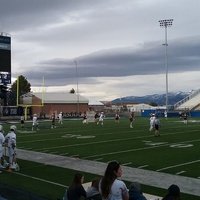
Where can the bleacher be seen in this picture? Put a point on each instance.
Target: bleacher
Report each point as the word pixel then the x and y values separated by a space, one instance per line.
pixel 191 102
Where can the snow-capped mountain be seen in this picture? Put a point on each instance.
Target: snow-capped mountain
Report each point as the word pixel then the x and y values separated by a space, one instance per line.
pixel 159 99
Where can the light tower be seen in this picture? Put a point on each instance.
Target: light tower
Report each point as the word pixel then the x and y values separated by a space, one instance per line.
pixel 77 89
pixel 164 24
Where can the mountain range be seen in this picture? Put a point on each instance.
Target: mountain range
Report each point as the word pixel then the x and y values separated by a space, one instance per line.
pixel 159 99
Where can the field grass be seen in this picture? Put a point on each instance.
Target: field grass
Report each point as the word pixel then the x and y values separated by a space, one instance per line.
pixel 176 151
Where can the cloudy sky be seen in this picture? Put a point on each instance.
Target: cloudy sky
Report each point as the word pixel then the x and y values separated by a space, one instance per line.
pixel 111 48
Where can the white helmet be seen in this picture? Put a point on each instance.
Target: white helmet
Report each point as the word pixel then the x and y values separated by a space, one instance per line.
pixel 13 127
pixel 1 128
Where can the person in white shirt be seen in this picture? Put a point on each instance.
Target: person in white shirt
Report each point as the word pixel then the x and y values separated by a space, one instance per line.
pixel 110 187
pixel 117 117
pixel 60 118
pixel 10 140
pixel 157 126
pixel 85 118
pixel 35 122
pixel 101 117
pixel 2 140
pixel 152 122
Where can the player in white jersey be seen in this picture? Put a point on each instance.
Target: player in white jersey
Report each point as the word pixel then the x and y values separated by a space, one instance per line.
pixel 101 117
pixel 152 122
pixel 10 140
pixel 35 122
pixel 131 119
pixel 157 126
pixel 85 118
pixel 2 140
pixel 117 117
pixel 60 118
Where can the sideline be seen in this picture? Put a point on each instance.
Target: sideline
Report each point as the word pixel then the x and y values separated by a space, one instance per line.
pixel 147 177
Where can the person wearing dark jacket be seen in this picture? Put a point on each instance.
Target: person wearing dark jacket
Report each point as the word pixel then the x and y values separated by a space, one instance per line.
pixel 173 193
pixel 135 192
pixel 76 190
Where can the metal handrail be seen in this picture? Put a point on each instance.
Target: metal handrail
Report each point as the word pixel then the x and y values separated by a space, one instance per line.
pixel 195 93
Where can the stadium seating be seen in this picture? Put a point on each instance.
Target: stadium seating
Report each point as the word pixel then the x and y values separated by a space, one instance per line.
pixel 191 102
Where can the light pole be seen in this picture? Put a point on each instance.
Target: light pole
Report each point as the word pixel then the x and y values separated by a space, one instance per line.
pixel 77 92
pixel 164 24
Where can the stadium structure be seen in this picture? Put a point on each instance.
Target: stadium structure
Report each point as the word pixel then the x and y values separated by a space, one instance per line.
pixel 56 102
pixel 191 102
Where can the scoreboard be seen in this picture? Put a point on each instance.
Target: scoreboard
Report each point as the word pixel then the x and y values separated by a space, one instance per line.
pixel 5 59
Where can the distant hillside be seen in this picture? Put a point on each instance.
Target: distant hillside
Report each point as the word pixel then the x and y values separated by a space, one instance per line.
pixel 159 99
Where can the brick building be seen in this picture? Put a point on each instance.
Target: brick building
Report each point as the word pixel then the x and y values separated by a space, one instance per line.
pixel 48 103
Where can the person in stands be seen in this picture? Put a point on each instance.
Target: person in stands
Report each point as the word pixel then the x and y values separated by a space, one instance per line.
pixel 110 186
pixel 135 192
pixel 173 193
pixel 93 191
pixel 76 190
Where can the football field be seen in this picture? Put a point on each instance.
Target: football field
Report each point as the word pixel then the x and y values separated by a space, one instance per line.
pixel 176 151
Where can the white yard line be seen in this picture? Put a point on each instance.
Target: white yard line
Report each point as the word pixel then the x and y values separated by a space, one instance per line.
pixel 173 166
pixel 138 149
pixel 181 172
pixel 63 154
pixel 98 159
pixel 124 151
pixel 106 141
pixel 128 163
pixel 143 166
pixel 40 179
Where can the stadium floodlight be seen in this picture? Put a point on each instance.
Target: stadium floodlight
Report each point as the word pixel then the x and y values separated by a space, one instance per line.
pixel 77 91
pixel 164 24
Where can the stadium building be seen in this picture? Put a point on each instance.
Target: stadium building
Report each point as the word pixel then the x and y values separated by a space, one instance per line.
pixel 44 104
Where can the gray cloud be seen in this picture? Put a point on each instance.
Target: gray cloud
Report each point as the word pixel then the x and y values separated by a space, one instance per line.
pixel 148 59
pixel 108 38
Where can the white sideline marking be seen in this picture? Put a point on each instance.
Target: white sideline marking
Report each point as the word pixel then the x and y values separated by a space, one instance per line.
pixel 63 154
pixel 40 179
pixel 181 172
pixel 76 155
pixel 124 164
pixel 29 148
pixel 54 152
pixel 143 166
pixel 45 150
pixel 98 159
pixel 187 163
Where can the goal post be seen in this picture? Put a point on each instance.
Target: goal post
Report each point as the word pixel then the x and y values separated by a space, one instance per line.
pixel 26 106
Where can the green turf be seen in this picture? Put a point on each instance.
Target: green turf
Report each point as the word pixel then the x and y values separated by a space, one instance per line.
pixel 177 149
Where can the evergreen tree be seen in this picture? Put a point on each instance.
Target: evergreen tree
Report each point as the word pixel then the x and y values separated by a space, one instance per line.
pixel 24 87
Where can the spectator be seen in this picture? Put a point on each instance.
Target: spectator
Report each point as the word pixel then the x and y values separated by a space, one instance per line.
pixel 76 190
pixel 93 191
pixel 173 193
pixel 135 192
pixel 110 186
